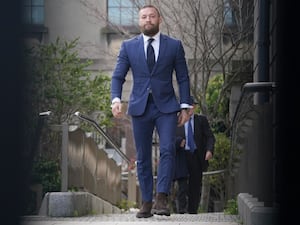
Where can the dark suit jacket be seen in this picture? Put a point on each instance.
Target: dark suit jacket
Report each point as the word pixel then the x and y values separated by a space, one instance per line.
pixel 181 169
pixel 171 57
pixel 204 138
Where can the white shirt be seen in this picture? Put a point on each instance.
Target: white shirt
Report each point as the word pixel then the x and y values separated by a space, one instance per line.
pixel 155 43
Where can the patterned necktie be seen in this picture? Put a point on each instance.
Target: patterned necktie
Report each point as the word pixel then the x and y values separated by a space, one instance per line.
pixel 150 54
pixel 190 138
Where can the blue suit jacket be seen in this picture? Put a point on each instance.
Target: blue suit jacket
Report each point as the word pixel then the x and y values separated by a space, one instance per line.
pixel 171 58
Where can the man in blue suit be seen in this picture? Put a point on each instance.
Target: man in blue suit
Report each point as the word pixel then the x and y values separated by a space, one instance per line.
pixel 153 103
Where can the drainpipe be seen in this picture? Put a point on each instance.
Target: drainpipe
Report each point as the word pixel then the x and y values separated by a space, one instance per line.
pixel 263 50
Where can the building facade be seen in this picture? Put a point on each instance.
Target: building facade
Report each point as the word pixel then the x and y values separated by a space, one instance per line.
pixel 208 29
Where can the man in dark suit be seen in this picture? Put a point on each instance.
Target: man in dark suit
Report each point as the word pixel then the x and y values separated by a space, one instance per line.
pixel 180 178
pixel 197 156
pixel 153 103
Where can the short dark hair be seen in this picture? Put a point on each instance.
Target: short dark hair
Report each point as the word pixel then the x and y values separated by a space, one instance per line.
pixel 151 6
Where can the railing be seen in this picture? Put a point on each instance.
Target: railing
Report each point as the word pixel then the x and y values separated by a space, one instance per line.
pixel 131 176
pixel 248 88
pixel 90 169
pixel 87 165
pixel 104 134
pixel 214 172
pixel 251 139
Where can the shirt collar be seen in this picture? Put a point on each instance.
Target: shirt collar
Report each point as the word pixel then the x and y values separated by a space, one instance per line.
pixel 155 37
pixel 192 119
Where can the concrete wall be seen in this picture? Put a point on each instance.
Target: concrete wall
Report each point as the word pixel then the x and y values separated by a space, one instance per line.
pixel 69 204
pixel 254 173
pixel 254 212
pixel 90 169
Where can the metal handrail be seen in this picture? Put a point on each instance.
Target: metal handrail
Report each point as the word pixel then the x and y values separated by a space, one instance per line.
pixel 104 134
pixel 250 87
pixel 253 87
pixel 214 172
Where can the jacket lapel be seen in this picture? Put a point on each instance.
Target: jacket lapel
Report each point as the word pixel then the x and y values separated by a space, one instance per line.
pixel 162 48
pixel 196 126
pixel 141 51
pixel 142 54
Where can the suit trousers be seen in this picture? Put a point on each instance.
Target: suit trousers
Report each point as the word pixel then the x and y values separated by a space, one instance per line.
pixel 181 195
pixel 143 127
pixel 195 181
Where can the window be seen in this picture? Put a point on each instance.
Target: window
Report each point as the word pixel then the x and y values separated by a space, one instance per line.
pixel 124 12
pixel 33 12
pixel 228 14
pixel 238 19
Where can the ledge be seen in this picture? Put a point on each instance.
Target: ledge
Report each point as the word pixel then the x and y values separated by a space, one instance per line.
pixel 71 204
pixel 253 212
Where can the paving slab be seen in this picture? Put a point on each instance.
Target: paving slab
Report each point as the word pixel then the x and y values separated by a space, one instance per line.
pixel 130 219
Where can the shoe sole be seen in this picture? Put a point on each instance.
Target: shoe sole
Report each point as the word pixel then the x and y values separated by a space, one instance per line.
pixel 161 212
pixel 144 215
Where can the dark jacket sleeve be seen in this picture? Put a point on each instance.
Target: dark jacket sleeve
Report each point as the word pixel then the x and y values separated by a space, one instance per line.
pixel 181 169
pixel 178 142
pixel 205 139
pixel 210 138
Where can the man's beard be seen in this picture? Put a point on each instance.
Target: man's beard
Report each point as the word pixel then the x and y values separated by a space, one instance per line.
pixel 151 31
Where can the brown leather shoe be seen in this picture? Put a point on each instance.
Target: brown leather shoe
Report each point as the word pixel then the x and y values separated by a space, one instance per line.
pixel 160 206
pixel 145 210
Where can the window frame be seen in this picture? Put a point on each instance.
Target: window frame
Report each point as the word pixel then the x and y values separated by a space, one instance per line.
pixel 33 12
pixel 121 8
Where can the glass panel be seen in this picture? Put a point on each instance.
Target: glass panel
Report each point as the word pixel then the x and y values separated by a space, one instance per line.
pixel 114 3
pixel 126 17
pixel 142 2
pixel 38 2
pixel 114 15
pixel 126 3
pixel 37 15
pixel 135 17
pixel 33 11
pixel 228 17
pixel 124 12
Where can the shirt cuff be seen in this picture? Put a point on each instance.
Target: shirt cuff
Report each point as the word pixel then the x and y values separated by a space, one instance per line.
pixel 184 106
pixel 116 99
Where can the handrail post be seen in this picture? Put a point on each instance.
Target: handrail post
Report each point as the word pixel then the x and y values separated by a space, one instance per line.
pixel 64 157
pixel 131 183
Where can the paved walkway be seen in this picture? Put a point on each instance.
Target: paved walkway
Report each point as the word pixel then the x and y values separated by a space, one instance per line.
pixel 130 219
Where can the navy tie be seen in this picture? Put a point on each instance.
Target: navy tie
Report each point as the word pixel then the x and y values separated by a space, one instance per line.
pixel 190 138
pixel 150 54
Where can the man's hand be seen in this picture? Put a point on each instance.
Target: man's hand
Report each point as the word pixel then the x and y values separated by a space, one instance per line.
pixel 183 117
pixel 116 109
pixel 182 143
pixel 208 155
